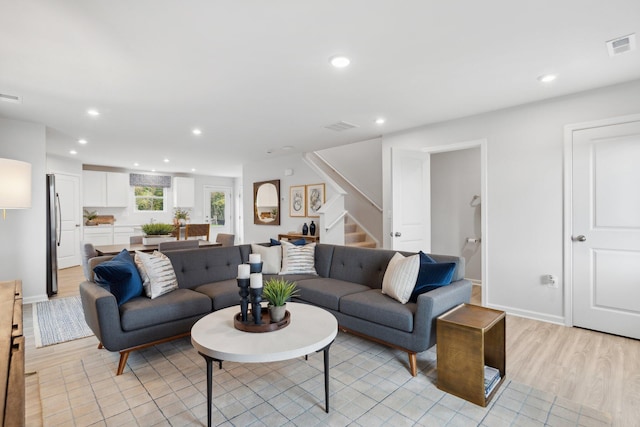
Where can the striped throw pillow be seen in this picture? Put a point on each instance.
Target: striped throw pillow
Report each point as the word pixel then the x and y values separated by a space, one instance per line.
pixel 400 277
pixel 298 259
pixel 156 271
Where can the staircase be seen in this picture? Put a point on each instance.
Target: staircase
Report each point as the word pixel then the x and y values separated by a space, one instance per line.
pixel 354 236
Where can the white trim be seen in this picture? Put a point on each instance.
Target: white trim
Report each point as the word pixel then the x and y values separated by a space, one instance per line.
pixel 567 257
pixel 484 229
pixel 34 299
pixel 306 157
pixel 534 315
pixel 363 228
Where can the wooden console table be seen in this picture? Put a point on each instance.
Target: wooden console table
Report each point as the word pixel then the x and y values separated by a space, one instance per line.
pixel 12 395
pixel 468 338
pixel 296 236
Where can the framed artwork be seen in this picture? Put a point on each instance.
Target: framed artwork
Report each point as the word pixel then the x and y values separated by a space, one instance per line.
pixel 297 201
pixel 315 199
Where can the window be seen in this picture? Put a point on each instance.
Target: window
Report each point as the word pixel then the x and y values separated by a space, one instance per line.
pixel 148 199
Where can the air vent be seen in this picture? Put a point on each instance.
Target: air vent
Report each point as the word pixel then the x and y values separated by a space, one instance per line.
pixel 621 45
pixel 340 126
pixel 10 98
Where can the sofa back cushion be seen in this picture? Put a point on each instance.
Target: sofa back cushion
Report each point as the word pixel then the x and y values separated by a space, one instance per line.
pixel 199 266
pixel 360 265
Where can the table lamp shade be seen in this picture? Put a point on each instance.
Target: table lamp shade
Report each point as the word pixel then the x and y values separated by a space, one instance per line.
pixel 15 184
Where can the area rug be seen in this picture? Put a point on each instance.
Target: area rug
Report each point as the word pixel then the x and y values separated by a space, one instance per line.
pixel 59 320
pixel 370 386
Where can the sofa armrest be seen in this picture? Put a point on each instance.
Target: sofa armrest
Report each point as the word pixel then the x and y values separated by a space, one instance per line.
pixel 101 313
pixel 434 303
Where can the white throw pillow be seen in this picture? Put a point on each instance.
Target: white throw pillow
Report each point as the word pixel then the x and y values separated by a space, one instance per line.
pixel 271 257
pixel 156 272
pixel 400 277
pixel 298 259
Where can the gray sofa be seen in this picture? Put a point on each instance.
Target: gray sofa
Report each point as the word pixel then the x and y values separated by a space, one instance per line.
pixel 348 285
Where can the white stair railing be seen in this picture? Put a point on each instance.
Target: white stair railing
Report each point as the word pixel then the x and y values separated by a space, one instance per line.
pixel 330 215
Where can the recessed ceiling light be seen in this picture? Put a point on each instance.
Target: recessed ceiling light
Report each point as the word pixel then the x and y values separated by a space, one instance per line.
pixel 339 61
pixel 93 112
pixel 380 121
pixel 287 147
pixel 82 141
pixel 196 132
pixel 547 78
pixel 166 160
pixel 74 152
pixel 193 169
pixel 153 170
pixel 136 164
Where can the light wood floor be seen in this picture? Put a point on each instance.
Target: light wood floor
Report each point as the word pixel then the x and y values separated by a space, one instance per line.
pixel 591 368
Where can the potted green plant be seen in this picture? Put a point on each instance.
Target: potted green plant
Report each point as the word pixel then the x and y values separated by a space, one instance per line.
pixel 157 232
pixel 277 291
pixel 89 216
pixel 181 215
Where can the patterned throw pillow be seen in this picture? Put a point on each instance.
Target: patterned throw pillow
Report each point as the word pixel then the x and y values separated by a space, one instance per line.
pixel 298 259
pixel 400 277
pixel 156 271
pixel 271 257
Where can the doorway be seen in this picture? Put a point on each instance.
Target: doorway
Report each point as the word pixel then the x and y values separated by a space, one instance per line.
pixel 218 209
pixel 602 226
pixel 68 189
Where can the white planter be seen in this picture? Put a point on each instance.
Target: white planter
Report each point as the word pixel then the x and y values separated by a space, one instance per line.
pixel 154 240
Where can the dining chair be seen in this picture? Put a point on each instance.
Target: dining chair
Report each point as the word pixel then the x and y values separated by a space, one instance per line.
pixel 87 252
pixel 177 244
pixel 135 240
pixel 196 230
pixel 225 239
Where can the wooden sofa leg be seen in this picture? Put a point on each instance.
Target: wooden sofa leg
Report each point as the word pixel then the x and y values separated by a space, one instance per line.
pixel 100 347
pixel 413 363
pixel 124 355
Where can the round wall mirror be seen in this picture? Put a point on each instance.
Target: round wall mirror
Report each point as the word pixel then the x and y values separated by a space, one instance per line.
pixel 266 202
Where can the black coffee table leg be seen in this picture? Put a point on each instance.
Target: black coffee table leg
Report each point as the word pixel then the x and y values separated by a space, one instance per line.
pixel 326 376
pixel 209 362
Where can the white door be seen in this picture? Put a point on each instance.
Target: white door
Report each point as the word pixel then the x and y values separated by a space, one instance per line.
pixel 218 209
pixel 67 192
pixel 411 217
pixel 606 229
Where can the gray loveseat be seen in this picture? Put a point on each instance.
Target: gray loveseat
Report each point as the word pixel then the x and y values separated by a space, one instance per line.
pixel 348 285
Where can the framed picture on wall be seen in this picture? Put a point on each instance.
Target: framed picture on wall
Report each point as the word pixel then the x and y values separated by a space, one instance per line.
pixel 297 201
pixel 315 199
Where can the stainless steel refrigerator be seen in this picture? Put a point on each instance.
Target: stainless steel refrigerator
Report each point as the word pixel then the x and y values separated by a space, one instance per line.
pixel 53 235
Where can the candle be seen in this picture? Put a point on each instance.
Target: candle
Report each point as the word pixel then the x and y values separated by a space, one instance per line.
pixel 255 280
pixel 243 271
pixel 254 258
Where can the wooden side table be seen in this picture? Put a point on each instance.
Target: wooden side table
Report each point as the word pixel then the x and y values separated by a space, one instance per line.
pixel 468 338
pixel 294 236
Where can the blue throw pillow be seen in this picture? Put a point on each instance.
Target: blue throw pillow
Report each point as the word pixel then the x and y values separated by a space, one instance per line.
pixel 300 242
pixel 121 275
pixel 432 275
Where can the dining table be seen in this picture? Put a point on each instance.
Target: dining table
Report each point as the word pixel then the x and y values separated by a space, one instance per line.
pixel 116 249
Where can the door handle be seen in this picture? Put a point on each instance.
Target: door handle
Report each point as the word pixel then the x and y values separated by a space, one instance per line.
pixel 580 238
pixel 397 234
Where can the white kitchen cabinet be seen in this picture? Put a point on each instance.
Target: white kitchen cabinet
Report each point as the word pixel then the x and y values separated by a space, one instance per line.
pixel 183 192
pixel 121 234
pixel 98 235
pixel 105 189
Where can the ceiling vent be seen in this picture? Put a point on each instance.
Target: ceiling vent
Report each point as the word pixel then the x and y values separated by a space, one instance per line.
pixel 621 45
pixel 341 126
pixel 10 98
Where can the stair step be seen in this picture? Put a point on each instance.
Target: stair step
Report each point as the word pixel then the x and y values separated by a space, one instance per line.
pixel 358 236
pixel 363 244
pixel 350 227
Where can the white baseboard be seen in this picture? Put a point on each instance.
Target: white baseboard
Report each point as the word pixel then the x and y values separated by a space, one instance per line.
pixel 543 317
pixel 36 298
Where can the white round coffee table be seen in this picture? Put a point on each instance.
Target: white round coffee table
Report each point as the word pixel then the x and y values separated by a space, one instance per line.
pixel 312 329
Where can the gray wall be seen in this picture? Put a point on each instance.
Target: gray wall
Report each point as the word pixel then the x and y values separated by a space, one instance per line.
pixel 524 202
pixel 22 234
pixel 455 179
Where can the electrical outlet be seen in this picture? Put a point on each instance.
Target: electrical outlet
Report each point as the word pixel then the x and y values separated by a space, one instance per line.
pixel 550 280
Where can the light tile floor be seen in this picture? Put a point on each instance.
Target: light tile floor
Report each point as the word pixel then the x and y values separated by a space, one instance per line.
pixel 370 386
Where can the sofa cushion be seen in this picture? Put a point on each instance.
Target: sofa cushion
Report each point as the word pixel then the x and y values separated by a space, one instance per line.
pixel 120 276
pixel 365 266
pixel 196 267
pixel 400 277
pixel 298 259
pixel 432 276
pixel 142 312
pixel 327 292
pixel 374 306
pixel 271 257
pixel 156 272
pixel 223 294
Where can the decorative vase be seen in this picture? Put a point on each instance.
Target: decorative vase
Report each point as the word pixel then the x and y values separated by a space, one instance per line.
pixel 305 229
pixel 312 229
pixel 277 312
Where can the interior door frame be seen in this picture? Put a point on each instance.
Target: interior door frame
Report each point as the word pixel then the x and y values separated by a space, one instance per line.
pixel 484 229
pixel 79 212
pixel 230 203
pixel 567 275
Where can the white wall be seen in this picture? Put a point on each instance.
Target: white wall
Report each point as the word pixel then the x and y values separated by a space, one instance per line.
pixel 455 179
pixel 23 234
pixel 274 169
pixel 524 200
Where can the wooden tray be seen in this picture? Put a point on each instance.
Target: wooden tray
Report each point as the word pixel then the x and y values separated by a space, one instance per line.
pixel 266 325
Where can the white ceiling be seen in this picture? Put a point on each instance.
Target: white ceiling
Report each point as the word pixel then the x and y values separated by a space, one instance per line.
pixel 254 74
